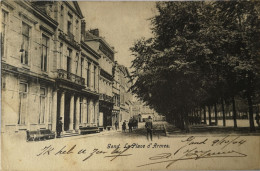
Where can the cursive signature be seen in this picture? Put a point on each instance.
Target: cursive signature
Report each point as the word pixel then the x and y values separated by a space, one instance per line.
pixel 119 153
pixel 192 154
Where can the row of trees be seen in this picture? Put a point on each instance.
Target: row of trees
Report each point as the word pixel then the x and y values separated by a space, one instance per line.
pixel 202 54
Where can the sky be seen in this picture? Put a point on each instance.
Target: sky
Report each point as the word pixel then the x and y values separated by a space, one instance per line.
pixel 120 23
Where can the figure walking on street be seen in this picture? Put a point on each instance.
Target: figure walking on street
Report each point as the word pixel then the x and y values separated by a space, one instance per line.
pixel 59 127
pixel 130 125
pixel 124 126
pixel 149 128
pixel 116 125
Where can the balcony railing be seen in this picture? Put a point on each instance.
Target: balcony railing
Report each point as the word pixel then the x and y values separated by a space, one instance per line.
pixel 65 75
pixel 106 98
pixel 69 38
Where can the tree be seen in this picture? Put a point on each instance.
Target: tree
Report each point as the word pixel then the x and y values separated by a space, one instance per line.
pixel 202 53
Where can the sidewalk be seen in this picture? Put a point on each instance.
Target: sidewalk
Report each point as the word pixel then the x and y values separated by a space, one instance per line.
pixel 79 136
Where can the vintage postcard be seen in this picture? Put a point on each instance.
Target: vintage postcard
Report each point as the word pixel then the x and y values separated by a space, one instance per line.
pixel 130 85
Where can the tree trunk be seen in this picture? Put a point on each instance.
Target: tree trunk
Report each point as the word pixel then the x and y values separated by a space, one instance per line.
pixel 216 114
pixel 186 123
pixel 223 112
pixel 209 115
pixel 205 115
pixel 200 115
pixel 251 114
pixel 250 103
pixel 234 112
pixel 180 122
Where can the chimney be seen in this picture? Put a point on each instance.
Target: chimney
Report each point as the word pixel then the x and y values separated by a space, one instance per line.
pixel 95 32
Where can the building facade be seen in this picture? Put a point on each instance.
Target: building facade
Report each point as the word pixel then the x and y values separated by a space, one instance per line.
pixel 116 95
pixel 142 112
pixel 28 80
pixel 106 63
pixel 48 72
pixel 126 97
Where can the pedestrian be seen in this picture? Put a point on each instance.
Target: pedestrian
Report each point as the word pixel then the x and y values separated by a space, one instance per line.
pixel 59 127
pixel 149 128
pixel 124 126
pixel 257 119
pixel 130 125
pixel 116 125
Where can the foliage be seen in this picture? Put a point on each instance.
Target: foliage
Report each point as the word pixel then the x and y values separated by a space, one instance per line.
pixel 201 52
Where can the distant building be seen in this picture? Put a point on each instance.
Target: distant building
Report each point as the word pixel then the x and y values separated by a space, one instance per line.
pixel 142 112
pixel 116 95
pixel 126 97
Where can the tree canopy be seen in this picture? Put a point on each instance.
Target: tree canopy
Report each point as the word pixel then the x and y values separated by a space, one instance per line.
pixel 201 52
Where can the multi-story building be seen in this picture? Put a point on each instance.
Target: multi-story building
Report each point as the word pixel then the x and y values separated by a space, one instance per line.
pixel 126 97
pixel 106 63
pixel 28 77
pixel 48 72
pixel 116 95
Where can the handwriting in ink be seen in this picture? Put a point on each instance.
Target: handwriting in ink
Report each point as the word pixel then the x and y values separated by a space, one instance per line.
pixel 118 153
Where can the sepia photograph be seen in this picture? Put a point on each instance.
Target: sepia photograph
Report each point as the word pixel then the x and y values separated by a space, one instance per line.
pixel 130 85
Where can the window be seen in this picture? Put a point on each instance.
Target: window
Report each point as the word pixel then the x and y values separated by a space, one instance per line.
pixel 25 43
pixel 44 53
pixel 118 101
pixel 95 70
pixel 61 55
pixel 77 62
pixel 23 89
pixel 81 66
pixel 69 25
pixel 80 110
pixel 61 16
pixel 50 110
pixel 3 33
pixel 88 74
pixel 87 111
pixel 77 29
pixel 69 63
pixel 94 111
pixel 42 105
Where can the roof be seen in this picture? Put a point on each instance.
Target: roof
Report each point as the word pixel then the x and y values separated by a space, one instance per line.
pixel 90 37
pixel 75 7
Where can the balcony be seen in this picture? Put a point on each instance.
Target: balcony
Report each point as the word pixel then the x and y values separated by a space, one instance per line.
pixel 104 97
pixel 69 38
pixel 67 76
